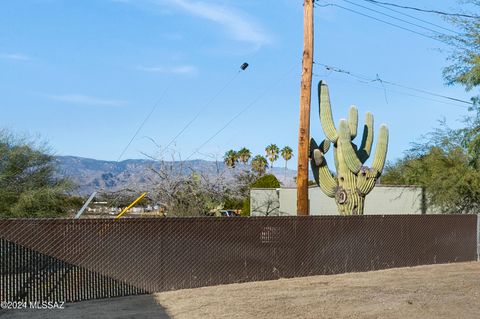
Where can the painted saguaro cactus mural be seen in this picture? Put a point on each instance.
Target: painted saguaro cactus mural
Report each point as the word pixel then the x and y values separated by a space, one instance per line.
pixel 353 180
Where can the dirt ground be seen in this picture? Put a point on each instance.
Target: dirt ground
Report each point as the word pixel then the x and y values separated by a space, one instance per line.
pixel 435 291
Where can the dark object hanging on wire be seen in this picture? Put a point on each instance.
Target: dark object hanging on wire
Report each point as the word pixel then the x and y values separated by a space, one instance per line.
pixel 244 66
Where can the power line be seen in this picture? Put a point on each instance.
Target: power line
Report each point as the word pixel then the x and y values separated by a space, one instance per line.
pixel 386 22
pixel 393 17
pixel 114 201
pixel 250 58
pixel 142 124
pixel 197 115
pixel 410 16
pixel 248 106
pixel 181 131
pixel 369 84
pixel 461 15
pixel 379 80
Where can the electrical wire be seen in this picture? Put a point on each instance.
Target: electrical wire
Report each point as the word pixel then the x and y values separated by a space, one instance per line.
pixel 386 22
pixel 120 192
pixel 461 15
pixel 378 3
pixel 114 201
pixel 179 133
pixel 243 110
pixel 381 81
pixel 197 115
pixel 393 17
pixel 389 90
pixel 411 17
pixel 142 124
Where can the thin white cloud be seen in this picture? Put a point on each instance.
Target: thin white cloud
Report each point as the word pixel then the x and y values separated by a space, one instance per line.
pixel 15 56
pixel 85 100
pixel 237 24
pixel 179 69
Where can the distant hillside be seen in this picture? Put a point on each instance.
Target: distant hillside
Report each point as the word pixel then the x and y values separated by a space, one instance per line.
pixel 93 175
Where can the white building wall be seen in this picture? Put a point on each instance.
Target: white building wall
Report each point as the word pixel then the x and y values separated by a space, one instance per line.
pixel 388 200
pixel 320 204
pixel 264 202
pixel 382 200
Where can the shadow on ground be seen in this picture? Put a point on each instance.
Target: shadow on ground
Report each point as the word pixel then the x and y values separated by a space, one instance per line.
pixel 134 307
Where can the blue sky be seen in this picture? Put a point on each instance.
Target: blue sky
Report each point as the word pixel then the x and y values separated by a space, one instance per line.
pixel 84 75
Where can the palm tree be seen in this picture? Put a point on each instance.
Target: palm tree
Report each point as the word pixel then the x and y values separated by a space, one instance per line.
pixel 230 158
pixel 287 154
pixel 244 155
pixel 272 153
pixel 259 164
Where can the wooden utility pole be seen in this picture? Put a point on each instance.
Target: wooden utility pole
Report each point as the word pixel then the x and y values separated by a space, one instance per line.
pixel 305 97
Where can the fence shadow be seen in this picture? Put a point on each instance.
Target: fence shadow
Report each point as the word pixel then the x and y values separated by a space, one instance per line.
pixel 138 307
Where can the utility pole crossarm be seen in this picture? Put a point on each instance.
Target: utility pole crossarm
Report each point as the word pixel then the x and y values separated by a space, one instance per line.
pixel 305 99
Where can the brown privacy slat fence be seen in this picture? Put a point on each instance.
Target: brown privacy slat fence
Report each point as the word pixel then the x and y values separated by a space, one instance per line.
pixel 72 260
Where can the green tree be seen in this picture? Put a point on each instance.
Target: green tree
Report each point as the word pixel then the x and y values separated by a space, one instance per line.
pixel 447 163
pixel 28 186
pixel 272 153
pixel 266 181
pixel 465 56
pixel 244 155
pixel 464 69
pixel 230 158
pixel 287 154
pixel 259 164
pixel 442 166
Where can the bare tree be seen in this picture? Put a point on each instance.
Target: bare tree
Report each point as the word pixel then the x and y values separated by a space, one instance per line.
pixel 267 204
pixel 185 192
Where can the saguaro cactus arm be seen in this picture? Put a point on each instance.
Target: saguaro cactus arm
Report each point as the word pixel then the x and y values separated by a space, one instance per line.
pixel 326 117
pixel 335 157
pixel 328 183
pixel 324 146
pixel 353 121
pixel 346 148
pixel 381 151
pixel 365 148
pixel 367 177
pixel 322 175
pixel 366 180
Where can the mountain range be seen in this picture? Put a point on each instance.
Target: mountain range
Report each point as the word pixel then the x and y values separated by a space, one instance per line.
pixel 138 174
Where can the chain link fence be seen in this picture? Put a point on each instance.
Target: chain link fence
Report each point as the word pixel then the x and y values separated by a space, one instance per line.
pixel 73 260
pixel 478 237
